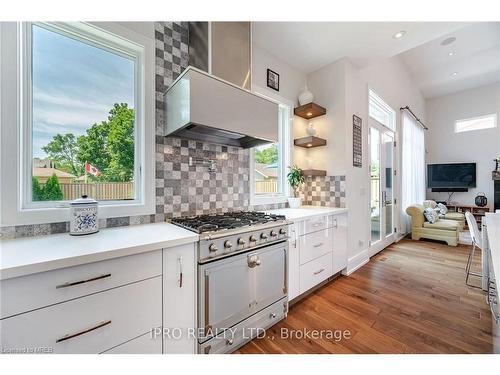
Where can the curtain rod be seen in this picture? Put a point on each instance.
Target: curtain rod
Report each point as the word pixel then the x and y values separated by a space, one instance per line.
pixel 415 116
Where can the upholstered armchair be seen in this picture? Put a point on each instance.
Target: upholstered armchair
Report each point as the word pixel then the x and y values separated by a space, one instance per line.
pixel 441 230
pixel 457 216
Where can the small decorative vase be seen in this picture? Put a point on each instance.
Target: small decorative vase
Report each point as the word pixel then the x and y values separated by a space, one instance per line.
pixel 306 96
pixel 294 202
pixel 83 216
pixel 311 130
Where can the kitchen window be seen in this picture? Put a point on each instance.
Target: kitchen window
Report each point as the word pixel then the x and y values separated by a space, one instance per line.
pixel 83 115
pixel 476 123
pixel 269 164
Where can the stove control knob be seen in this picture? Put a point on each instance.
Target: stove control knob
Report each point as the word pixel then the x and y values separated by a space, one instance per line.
pixel 228 244
pixel 263 236
pixel 241 241
pixel 273 233
pixel 282 231
pixel 253 238
pixel 213 248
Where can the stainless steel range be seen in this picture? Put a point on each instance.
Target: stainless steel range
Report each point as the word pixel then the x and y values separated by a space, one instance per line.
pixel 242 276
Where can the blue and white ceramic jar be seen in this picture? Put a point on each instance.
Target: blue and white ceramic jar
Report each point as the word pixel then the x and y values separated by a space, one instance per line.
pixel 83 220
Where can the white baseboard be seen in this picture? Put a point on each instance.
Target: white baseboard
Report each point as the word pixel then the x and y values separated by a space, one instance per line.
pixel 356 262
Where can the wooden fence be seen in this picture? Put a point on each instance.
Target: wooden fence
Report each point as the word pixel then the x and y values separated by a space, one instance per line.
pixel 266 186
pixel 100 191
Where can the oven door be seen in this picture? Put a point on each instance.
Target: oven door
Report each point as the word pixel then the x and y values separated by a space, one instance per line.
pixel 232 289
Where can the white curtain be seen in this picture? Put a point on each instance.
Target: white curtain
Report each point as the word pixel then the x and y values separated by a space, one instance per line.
pixel 413 167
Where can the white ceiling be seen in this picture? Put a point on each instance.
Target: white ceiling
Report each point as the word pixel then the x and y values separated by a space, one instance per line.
pixel 476 59
pixel 310 45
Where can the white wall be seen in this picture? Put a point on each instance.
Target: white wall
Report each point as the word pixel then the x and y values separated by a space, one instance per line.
pixel 343 89
pixel 482 146
pixel 291 80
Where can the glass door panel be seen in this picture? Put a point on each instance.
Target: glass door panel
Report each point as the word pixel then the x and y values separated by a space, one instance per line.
pixel 375 184
pixel 387 192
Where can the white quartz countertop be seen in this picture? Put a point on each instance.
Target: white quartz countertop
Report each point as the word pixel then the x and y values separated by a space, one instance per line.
pixel 24 256
pixel 307 212
pixel 493 228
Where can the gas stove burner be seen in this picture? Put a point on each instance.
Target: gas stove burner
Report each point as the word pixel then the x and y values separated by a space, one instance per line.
pixel 228 220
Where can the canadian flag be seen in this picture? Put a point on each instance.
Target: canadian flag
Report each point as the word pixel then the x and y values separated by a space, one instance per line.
pixel 89 168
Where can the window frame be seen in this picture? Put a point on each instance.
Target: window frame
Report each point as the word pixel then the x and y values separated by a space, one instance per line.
pixel 108 36
pixel 490 115
pixel 377 101
pixel 284 152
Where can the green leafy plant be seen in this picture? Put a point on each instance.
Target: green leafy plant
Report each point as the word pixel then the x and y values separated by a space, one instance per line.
pixel 37 190
pixel 295 179
pixel 52 190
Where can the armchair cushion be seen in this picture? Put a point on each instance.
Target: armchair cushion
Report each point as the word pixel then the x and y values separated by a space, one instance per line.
pixel 442 224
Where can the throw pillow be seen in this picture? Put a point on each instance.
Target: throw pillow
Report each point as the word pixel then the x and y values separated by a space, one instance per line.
pixel 442 209
pixel 430 215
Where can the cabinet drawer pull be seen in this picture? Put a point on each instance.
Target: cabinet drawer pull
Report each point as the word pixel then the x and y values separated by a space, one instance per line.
pixel 180 272
pixel 315 225
pixel 318 272
pixel 70 336
pixel 318 244
pixel 65 285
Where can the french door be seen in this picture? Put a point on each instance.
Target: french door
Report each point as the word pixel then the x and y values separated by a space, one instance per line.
pixel 382 187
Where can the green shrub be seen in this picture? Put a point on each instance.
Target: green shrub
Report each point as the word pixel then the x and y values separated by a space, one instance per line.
pixel 52 190
pixel 36 189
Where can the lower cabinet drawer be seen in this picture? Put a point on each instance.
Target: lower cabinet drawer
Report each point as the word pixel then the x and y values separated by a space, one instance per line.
pixel 313 245
pixel 89 324
pixel 22 294
pixel 315 271
pixel 140 345
pixel 235 337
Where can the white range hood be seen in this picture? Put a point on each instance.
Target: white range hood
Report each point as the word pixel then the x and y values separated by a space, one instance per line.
pixel 206 108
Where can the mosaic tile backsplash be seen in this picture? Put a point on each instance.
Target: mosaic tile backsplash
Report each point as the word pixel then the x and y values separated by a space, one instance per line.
pixel 326 191
pixel 192 190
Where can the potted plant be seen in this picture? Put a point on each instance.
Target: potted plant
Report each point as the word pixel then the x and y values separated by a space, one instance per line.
pixel 295 179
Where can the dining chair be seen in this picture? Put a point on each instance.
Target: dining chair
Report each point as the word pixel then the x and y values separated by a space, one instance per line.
pixel 476 242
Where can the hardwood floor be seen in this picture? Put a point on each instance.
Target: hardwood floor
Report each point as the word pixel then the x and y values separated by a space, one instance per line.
pixel 410 298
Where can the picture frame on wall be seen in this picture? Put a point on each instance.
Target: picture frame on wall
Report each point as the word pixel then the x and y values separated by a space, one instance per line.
pixel 273 80
pixel 357 142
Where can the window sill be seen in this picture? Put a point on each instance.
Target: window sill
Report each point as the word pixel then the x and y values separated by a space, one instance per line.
pixel 267 199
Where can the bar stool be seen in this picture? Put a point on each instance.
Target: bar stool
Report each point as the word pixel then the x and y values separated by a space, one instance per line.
pixel 476 242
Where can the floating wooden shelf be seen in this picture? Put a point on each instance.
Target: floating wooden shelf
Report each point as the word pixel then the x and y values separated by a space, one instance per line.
pixel 313 172
pixel 309 142
pixel 309 111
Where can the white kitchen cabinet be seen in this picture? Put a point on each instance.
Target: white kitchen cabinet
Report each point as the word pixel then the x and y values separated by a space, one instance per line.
pixel 339 242
pixel 21 294
pixel 90 324
pixel 317 251
pixel 293 263
pixel 145 344
pixel 179 300
pixel 314 272
pixel 313 245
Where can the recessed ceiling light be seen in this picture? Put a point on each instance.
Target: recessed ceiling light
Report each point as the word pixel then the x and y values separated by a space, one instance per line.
pixel 399 34
pixel 454 74
pixel 448 41
pixel 451 53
